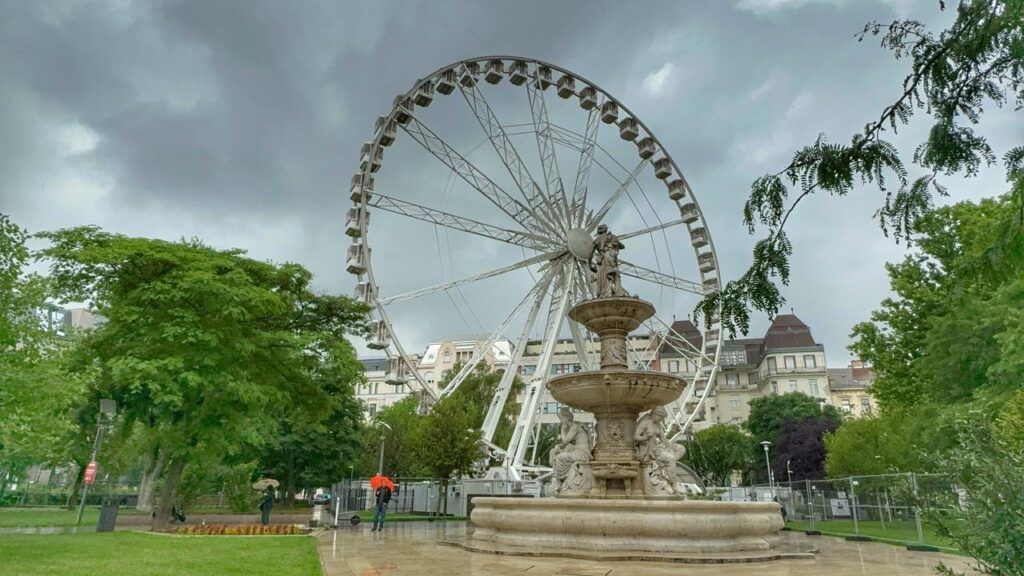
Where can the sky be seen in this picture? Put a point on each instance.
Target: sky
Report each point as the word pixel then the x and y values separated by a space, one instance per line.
pixel 240 123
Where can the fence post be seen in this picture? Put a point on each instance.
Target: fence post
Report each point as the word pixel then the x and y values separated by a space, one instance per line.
pixel 917 508
pixel 810 503
pixel 853 506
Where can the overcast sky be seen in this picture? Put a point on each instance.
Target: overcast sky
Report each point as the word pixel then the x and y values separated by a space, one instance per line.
pixel 240 123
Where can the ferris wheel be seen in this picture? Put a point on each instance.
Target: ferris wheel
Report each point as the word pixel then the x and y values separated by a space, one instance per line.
pixel 522 205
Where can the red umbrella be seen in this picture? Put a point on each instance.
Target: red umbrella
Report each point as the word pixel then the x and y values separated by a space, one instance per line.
pixel 379 480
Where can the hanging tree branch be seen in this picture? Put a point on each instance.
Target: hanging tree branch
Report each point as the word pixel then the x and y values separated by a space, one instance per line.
pixel 979 59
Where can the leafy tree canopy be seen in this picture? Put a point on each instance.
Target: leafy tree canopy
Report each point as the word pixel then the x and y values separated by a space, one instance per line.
pixel 769 413
pixel 715 452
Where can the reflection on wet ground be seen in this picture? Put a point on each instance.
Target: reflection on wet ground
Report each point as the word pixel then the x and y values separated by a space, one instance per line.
pixel 412 548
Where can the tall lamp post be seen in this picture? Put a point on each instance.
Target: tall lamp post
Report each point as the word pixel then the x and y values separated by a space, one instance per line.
pixel 107 410
pixel 768 465
pixel 380 464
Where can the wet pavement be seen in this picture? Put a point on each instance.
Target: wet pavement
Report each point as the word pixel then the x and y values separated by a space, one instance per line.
pixel 408 548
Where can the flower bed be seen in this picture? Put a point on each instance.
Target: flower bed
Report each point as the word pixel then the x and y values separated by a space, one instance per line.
pixel 239 530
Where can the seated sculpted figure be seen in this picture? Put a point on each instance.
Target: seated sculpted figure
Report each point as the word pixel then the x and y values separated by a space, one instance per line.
pixel 658 454
pixel 572 449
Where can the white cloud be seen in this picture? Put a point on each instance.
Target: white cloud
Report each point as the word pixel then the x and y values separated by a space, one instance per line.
pixel 762 6
pixel 657 83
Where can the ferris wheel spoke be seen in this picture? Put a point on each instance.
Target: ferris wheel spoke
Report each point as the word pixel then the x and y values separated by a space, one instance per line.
pixel 410 366
pixel 559 305
pixel 581 292
pixel 547 256
pixel 433 216
pixel 598 216
pixel 536 294
pixel 473 176
pixel 650 229
pixel 548 159
pixel 653 276
pixel 539 203
pixel 579 196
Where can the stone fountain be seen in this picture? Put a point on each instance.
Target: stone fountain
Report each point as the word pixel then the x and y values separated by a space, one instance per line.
pixel 621 497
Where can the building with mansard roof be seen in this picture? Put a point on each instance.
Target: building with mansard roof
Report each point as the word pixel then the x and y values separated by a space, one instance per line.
pixel 851 389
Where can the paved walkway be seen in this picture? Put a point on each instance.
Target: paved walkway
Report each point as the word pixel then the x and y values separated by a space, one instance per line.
pixel 410 548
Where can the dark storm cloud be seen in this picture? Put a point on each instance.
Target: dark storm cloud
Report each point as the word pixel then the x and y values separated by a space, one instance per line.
pixel 240 122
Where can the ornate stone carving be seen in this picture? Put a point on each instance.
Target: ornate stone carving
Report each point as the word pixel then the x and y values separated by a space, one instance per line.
pixel 570 456
pixel 604 262
pixel 658 455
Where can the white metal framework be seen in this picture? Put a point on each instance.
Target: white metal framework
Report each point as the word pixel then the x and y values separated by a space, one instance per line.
pixel 543 212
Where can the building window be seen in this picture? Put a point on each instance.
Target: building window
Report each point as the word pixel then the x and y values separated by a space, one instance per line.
pixel 734 357
pixel 447 356
pixel 846 405
pixel 372 409
pixel 550 407
pixel 734 402
pixel 673 366
pixel 464 356
pixel 732 380
pixel 813 384
pixel 772 367
pixel 792 386
pixel 376 388
pixel 775 387
pixel 577 368
pixel 809 361
pixel 865 406
pixel 528 370
pixel 429 377
pixel 790 361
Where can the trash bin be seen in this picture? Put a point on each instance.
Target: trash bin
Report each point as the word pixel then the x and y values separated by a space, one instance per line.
pixel 108 515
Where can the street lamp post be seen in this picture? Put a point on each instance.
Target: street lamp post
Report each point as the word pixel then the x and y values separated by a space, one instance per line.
pixel 789 474
pixel 107 408
pixel 768 465
pixel 380 464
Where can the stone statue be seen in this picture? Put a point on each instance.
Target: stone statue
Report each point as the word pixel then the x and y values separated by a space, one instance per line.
pixel 658 455
pixel 604 262
pixel 570 456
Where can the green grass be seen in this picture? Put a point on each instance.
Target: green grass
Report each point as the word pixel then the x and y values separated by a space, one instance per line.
pixel 45 517
pixel 903 532
pixel 143 554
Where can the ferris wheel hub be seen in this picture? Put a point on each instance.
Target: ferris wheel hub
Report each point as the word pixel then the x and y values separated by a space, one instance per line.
pixel 579 243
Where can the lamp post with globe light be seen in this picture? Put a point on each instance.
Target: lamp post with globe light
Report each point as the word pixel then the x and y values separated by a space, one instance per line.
pixel 767 463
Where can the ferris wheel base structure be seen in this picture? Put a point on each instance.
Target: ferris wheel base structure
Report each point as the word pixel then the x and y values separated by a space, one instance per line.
pixel 544 210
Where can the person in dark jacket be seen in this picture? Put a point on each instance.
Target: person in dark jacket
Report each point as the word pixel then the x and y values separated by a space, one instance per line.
pixel 266 505
pixel 383 496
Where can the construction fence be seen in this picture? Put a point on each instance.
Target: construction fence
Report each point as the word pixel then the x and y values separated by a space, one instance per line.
pixel 426 496
pixel 886 507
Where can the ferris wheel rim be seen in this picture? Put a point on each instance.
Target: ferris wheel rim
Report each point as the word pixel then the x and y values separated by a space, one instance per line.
pixel 712 327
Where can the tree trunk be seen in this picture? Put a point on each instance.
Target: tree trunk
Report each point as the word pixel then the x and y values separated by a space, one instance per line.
pixel 73 498
pixel 154 467
pixel 168 493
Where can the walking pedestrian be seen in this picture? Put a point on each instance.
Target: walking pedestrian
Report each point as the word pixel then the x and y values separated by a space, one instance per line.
pixel 266 505
pixel 383 497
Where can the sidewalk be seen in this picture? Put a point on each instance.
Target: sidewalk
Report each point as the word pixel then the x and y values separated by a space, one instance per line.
pixel 410 548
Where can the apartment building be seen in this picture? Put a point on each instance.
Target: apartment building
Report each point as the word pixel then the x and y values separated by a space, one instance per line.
pixel 851 389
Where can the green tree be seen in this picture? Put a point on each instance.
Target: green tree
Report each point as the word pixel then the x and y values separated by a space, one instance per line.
pixel 953 331
pixel 715 452
pixel 955 73
pixel 478 390
pixel 199 344
pixel 449 445
pixel 769 413
pixel 400 440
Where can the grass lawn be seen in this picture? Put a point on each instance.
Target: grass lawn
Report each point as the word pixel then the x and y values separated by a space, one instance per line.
pixel 898 532
pixel 143 554
pixel 41 517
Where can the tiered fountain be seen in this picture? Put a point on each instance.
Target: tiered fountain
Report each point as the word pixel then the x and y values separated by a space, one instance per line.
pixel 621 498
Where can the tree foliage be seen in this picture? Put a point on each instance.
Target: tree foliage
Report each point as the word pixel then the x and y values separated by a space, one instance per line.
pixel 894 441
pixel 400 438
pixel 800 451
pixel 200 345
pixel 954 73
pixel 769 413
pixel 715 452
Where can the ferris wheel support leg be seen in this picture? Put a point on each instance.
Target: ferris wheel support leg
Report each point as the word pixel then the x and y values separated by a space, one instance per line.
pixel 524 426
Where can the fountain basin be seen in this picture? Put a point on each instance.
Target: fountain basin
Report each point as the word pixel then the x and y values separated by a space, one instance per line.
pixel 668 526
pixel 601 391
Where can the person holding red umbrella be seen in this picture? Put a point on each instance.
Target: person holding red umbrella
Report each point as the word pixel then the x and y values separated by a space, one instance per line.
pixel 382 487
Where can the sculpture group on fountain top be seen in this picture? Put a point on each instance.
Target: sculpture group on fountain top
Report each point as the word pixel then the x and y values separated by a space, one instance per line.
pixel 570 458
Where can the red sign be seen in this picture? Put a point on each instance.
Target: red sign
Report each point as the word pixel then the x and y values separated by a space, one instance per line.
pixel 90 473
